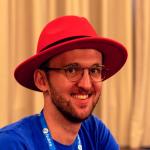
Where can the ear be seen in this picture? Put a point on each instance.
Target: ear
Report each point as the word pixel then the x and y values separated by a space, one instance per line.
pixel 40 80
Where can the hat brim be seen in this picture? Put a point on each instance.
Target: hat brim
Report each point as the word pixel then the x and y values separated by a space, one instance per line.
pixel 114 57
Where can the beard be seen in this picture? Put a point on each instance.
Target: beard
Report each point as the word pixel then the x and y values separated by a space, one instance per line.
pixel 66 107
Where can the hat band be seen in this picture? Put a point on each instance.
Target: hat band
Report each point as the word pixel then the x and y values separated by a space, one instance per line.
pixel 61 41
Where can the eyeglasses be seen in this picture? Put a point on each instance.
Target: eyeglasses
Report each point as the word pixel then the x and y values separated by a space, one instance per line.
pixel 74 72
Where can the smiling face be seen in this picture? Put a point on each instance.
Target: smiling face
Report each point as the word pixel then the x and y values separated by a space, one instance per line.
pixel 74 100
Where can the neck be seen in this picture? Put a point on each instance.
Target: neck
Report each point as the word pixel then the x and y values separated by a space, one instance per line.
pixel 61 129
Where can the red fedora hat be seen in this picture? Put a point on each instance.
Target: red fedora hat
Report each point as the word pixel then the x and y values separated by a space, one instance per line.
pixel 68 33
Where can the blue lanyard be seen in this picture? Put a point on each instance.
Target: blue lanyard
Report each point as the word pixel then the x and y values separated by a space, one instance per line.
pixel 49 137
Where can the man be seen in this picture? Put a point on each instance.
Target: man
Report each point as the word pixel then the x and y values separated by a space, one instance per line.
pixel 70 64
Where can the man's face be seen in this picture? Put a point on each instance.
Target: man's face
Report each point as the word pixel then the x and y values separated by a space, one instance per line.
pixel 74 100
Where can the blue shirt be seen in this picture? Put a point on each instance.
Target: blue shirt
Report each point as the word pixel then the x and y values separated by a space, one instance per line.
pixel 26 134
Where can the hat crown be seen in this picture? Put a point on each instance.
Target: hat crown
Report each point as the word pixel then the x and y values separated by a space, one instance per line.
pixel 62 28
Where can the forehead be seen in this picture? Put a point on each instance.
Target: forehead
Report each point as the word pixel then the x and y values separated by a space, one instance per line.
pixel 81 56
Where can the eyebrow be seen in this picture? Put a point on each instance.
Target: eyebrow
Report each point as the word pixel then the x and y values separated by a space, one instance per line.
pixel 77 64
pixel 97 65
pixel 72 64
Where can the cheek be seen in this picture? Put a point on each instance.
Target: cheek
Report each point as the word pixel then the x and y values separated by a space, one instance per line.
pixel 60 83
pixel 98 88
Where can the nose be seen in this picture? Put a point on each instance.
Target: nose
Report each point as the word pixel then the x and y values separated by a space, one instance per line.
pixel 85 81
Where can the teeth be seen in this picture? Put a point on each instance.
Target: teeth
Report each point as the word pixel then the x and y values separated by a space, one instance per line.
pixel 81 96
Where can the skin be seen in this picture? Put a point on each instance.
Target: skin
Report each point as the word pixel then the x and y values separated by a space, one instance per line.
pixel 66 103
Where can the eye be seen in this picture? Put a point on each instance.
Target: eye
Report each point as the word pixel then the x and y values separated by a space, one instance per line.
pixel 72 69
pixel 96 70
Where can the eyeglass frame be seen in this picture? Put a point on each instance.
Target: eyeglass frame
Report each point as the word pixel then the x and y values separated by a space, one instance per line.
pixel 81 69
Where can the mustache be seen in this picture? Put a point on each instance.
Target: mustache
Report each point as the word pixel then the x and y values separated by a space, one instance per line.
pixel 83 91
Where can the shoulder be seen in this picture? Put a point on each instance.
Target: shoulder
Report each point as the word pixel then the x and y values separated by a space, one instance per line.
pixel 14 135
pixel 10 141
pixel 98 133
pixel 19 126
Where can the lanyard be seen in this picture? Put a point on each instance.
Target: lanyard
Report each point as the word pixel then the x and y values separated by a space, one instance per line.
pixel 49 137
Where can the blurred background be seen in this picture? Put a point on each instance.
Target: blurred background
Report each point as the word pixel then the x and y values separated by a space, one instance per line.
pixel 125 102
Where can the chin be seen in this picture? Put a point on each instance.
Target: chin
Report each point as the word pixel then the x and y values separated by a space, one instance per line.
pixel 77 119
pixel 78 116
